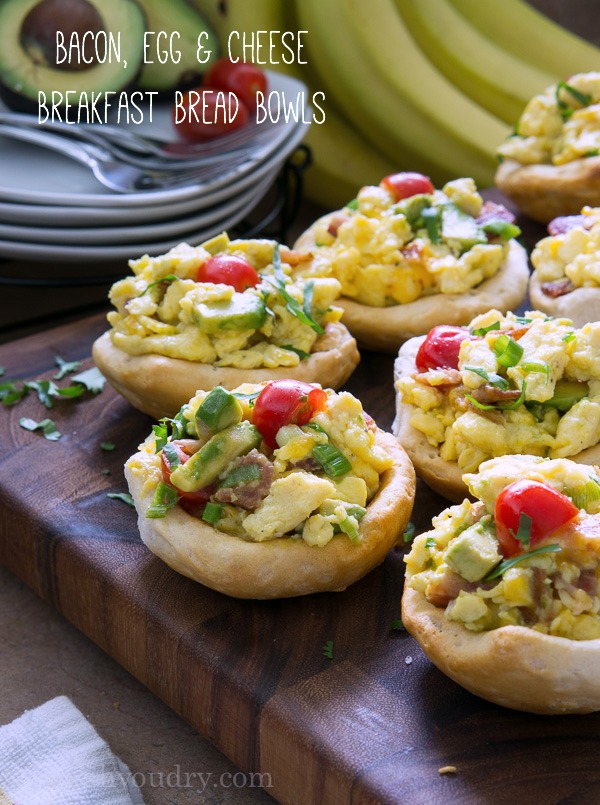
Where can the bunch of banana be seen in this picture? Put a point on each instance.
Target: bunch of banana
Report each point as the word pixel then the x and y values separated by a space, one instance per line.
pixel 427 85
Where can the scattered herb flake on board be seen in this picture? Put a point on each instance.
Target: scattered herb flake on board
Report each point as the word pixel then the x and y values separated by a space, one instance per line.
pixel 10 393
pixel 328 650
pixel 47 426
pixel 107 446
pixel 409 533
pixel 106 471
pixel 65 367
pixel 92 379
pixel 397 626
pixel 124 497
pixel 2 370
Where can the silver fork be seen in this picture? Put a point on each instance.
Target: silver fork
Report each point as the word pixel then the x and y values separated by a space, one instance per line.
pixel 115 173
pixel 144 150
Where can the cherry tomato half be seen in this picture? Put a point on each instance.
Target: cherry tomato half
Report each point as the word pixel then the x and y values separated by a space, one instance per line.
pixel 441 347
pixel 193 502
pixel 228 269
pixel 243 78
pixel 209 112
pixel 547 508
pixel 404 185
pixel 286 402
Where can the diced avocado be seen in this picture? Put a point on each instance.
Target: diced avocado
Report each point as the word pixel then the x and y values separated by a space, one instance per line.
pixel 460 228
pixel 473 553
pixel 217 244
pixel 328 507
pixel 244 311
pixel 172 59
pixel 218 410
pixel 413 207
pixel 205 466
pixel 567 393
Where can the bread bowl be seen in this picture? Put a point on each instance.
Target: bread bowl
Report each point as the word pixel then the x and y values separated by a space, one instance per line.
pixel 550 165
pixel 441 416
pixel 396 282
pixel 565 280
pixel 483 620
pixel 297 527
pixel 175 331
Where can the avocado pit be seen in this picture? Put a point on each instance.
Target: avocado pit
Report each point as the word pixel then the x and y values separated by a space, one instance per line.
pixel 76 22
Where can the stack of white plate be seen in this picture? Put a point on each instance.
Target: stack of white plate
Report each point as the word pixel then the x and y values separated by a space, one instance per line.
pixel 53 209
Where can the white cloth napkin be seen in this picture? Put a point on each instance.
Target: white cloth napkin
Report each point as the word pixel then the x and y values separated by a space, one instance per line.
pixel 53 756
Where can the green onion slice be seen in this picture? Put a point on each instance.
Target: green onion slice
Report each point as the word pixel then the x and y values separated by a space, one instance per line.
pixel 589 493
pixel 212 513
pixel 165 497
pixel 507 351
pixel 540 367
pixel 333 461
pixel 581 97
pixel 481 331
pixel 503 229
pixel 568 338
pixel 241 475
pixel 348 526
pixel 433 223
pixel 352 205
pixel 500 569
pixel 409 533
pixel 490 377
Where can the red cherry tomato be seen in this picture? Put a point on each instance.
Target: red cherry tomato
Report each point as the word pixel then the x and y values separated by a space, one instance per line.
pixel 286 402
pixel 193 502
pixel 547 508
pixel 243 78
pixel 228 269
pixel 440 348
pixel 209 112
pixel 404 185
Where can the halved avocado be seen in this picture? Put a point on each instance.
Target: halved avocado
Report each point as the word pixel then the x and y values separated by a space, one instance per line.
pixel 29 52
pixel 184 65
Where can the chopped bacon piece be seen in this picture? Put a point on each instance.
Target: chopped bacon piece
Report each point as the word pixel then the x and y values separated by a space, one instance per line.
pixel 414 251
pixel 452 377
pixel 564 223
pixel 488 394
pixel 335 222
pixel 248 495
pixel 446 587
pixel 556 288
pixel 490 211
pixel 292 257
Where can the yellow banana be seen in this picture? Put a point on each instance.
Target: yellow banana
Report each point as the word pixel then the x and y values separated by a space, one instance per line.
pixel 343 160
pixel 496 79
pixel 374 66
pixel 384 118
pixel 520 29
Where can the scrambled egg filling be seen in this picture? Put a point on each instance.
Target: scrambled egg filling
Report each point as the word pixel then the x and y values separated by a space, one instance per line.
pixel 574 255
pixel 559 125
pixel 546 402
pixel 386 252
pixel 285 492
pixel 163 310
pixel 553 588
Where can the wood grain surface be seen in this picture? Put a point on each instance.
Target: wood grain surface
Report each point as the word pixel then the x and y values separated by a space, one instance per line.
pixel 375 723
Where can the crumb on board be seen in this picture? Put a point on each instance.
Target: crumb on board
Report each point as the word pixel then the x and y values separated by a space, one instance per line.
pixel 447 770
pixel 408 660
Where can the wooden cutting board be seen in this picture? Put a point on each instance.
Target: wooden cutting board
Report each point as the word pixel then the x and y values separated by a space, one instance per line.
pixel 375 723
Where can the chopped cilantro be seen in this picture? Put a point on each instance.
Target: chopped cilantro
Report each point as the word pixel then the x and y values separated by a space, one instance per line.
pixel 108 446
pixel 292 305
pixel 65 367
pixel 92 379
pixel 47 427
pixel 328 650
pixel 168 279
pixel 409 533
pixel 523 534
pixel 500 569
pixel 124 497
pixel 10 393
pixel 490 377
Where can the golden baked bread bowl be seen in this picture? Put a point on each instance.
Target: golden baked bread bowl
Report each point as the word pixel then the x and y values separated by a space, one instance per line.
pixel 295 526
pixel 511 385
pixel 403 271
pixel 515 624
pixel 550 166
pixel 222 313
pixel 565 280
